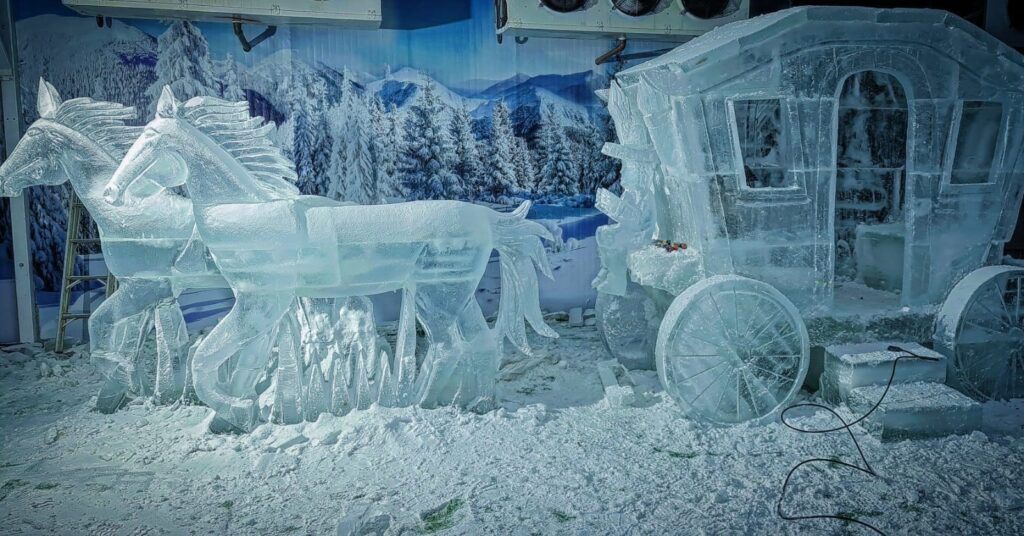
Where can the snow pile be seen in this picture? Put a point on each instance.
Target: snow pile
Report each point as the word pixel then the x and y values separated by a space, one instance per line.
pixel 554 459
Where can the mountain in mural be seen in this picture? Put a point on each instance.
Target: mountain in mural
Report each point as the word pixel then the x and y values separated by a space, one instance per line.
pixel 81 59
pixel 576 87
pixel 403 86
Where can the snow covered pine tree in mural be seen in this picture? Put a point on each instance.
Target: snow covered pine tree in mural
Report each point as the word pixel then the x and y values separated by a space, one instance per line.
pixel 367 136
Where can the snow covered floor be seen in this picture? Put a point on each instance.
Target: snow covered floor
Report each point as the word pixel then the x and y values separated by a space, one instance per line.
pixel 554 460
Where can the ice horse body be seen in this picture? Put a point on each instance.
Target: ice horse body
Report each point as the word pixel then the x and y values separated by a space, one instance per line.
pixel 274 245
pixel 149 242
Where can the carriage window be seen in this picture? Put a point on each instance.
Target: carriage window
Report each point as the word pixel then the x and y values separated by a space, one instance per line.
pixel 761 137
pixel 976 142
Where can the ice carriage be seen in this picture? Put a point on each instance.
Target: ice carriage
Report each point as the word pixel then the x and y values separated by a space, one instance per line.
pixel 837 175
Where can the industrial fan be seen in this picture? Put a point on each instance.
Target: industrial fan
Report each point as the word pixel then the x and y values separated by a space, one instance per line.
pixel 563 6
pixel 635 8
pixel 705 9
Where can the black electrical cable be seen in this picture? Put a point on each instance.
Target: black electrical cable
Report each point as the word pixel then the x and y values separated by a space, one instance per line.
pixel 866 469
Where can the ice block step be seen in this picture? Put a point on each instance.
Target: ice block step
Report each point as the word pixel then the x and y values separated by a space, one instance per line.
pixel 849 366
pixel 916 410
pixel 617 383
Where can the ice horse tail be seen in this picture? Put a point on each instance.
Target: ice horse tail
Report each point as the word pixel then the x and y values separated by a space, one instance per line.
pixel 521 251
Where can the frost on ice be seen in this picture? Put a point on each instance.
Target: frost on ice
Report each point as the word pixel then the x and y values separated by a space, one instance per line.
pixel 834 172
pixel 278 249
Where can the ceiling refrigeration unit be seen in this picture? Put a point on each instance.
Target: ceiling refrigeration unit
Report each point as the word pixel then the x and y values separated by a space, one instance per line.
pixel 360 14
pixel 1005 20
pixel 638 19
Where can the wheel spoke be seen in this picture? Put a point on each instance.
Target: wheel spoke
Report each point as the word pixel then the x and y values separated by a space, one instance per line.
pixel 979 326
pixel 721 319
pixel 766 325
pixel 751 380
pixel 688 333
pixel 994 314
pixel 735 307
pixel 716 365
pixel 708 386
pixel 1020 283
pixel 776 338
pixel 773 373
pixel 1002 301
pixel 778 356
pixel 751 401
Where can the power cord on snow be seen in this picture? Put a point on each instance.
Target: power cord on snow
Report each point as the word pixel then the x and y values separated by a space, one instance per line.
pixel 866 468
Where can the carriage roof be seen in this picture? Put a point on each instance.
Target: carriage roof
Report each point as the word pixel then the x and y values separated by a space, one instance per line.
pixel 797 28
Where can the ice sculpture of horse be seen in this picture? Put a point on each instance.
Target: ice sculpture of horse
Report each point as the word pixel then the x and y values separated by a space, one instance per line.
pixel 273 245
pixel 148 243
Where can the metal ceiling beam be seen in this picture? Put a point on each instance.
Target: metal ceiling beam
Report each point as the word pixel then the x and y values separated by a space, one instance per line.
pixel 10 107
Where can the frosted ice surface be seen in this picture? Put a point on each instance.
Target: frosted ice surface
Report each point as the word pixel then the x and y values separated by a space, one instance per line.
pixel 856 160
pixel 629 326
pixel 148 242
pixel 850 366
pixel 878 255
pixel 919 409
pixel 674 271
pixel 275 247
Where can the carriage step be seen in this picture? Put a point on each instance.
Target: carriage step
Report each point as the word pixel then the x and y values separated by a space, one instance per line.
pixel 617 383
pixel 916 410
pixel 849 366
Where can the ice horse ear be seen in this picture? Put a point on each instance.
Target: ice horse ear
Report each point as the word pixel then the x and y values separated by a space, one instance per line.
pixel 48 100
pixel 167 106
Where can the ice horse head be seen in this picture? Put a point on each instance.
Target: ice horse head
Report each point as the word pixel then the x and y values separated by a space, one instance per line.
pixel 66 133
pixel 144 241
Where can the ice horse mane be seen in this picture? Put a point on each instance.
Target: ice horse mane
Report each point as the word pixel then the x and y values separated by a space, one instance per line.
pixel 246 139
pixel 100 121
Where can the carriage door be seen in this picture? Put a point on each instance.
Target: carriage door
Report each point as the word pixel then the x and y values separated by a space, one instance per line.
pixel 870 180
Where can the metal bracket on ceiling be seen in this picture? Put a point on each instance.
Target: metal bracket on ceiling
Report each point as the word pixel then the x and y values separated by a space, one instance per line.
pixel 619 47
pixel 246 43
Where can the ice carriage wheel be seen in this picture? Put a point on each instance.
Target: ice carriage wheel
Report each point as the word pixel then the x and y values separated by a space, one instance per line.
pixel 731 349
pixel 980 329
pixel 625 328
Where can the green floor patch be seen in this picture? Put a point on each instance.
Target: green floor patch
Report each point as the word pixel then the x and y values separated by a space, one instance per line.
pixel 675 454
pixel 443 517
pixel 562 517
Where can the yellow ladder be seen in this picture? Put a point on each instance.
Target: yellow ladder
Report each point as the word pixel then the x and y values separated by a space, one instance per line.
pixel 76 211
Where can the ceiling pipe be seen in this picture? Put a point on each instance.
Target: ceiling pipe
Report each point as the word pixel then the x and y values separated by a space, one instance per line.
pixel 619 47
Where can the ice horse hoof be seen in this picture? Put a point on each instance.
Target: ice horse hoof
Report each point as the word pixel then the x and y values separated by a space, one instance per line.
pixel 237 419
pixel 221 426
pixel 112 396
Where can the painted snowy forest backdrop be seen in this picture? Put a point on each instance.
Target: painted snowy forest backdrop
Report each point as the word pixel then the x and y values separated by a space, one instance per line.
pixel 359 127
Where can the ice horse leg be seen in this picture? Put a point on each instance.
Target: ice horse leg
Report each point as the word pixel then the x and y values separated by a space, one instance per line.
pixel 171 351
pixel 117 330
pixel 253 317
pixel 447 378
pixel 482 357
